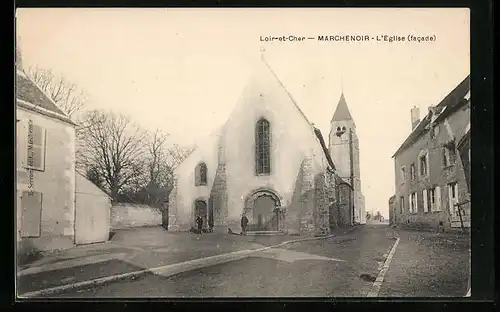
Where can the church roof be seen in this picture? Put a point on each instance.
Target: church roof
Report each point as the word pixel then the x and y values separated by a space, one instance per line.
pixel 286 90
pixel 342 111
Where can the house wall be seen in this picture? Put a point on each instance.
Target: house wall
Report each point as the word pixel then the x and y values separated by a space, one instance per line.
pixel 56 183
pixel 125 215
pixel 392 209
pixel 438 175
pixel 231 152
pixel 93 212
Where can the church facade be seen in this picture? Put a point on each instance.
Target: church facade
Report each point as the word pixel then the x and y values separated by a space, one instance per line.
pixel 271 164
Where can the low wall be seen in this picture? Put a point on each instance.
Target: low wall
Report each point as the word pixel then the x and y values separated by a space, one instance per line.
pixel 131 215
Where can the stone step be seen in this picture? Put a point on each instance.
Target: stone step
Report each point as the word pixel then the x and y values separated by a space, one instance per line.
pixel 266 233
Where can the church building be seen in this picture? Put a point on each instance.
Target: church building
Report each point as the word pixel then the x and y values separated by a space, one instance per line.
pixel 269 162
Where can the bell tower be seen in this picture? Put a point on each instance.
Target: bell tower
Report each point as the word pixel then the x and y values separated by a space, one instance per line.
pixel 344 150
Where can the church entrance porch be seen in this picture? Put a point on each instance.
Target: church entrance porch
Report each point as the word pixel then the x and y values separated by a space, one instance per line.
pixel 262 210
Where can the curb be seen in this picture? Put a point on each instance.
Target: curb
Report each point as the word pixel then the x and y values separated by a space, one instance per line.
pixel 171 269
pixel 380 277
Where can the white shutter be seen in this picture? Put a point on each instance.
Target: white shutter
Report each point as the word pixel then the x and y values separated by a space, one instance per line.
pixel 410 204
pixel 424 194
pixel 416 202
pixel 450 199
pixel 438 198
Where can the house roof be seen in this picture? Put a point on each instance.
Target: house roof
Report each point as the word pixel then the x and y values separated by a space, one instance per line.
pixel 465 136
pixel 453 101
pixel 342 111
pixel 27 91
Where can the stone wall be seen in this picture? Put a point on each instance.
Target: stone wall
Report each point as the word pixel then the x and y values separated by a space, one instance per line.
pixel 131 215
pixel 321 205
pixel 218 198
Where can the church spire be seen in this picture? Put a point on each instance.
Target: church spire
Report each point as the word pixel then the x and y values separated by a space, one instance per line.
pixel 342 111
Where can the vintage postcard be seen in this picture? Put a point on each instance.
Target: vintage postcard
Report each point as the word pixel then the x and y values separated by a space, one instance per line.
pixel 187 153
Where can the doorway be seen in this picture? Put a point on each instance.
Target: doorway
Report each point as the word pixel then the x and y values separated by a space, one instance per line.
pixel 201 210
pixel 264 213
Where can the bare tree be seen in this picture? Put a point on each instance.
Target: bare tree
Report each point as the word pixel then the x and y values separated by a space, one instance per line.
pixel 67 96
pixel 112 147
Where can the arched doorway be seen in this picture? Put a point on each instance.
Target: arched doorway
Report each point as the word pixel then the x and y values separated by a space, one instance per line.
pixel 201 210
pixel 261 211
pixel 264 214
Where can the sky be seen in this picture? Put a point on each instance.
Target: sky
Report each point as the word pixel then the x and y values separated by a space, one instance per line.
pixel 183 70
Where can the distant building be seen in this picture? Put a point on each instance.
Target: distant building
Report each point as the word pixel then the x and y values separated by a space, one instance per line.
pixel 430 179
pixel 269 162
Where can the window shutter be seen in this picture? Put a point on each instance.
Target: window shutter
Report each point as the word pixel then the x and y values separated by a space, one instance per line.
pixel 37 148
pixel 424 194
pixel 416 202
pixel 438 198
pixel 410 209
pixel 22 145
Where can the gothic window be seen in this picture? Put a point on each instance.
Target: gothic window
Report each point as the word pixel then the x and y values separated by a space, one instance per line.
pixel 201 174
pixel 262 147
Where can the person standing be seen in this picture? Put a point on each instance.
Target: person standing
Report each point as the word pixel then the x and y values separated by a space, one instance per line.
pixel 199 222
pixel 244 223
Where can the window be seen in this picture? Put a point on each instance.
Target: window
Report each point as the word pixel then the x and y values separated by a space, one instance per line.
pixel 423 165
pixel 403 174
pixel 434 198
pixel 429 197
pixel 412 172
pixel 452 196
pixel 262 148
pixel 413 202
pixel 35 150
pixel 201 174
pixel 448 156
pixel 402 204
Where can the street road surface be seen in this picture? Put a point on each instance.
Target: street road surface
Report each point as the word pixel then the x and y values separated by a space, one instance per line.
pixel 342 266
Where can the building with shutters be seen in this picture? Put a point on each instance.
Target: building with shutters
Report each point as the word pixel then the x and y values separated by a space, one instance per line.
pixel 56 207
pixel 430 180
pixel 45 161
pixel 269 162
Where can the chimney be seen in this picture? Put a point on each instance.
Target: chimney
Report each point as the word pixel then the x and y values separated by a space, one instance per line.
pixel 415 117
